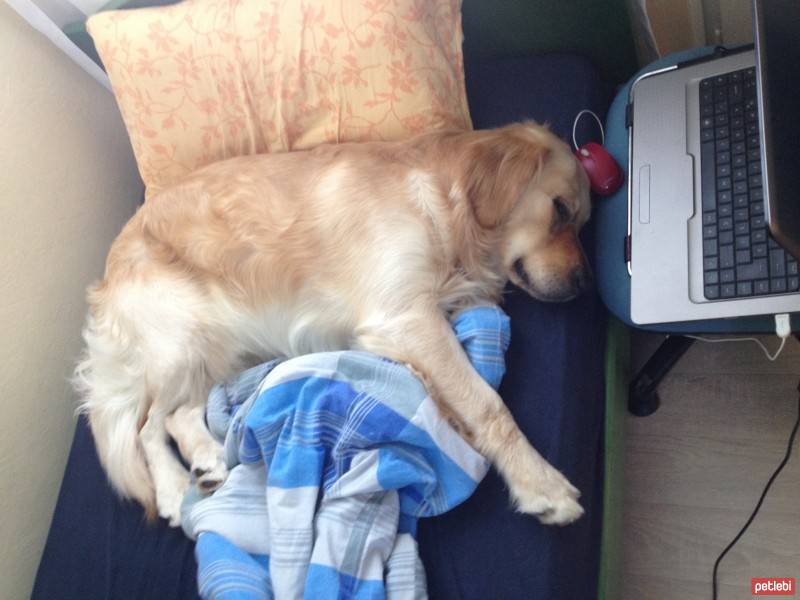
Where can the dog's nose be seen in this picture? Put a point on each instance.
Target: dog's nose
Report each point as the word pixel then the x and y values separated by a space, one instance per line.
pixel 582 279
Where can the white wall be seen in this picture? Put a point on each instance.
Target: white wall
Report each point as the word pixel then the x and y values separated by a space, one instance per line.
pixel 68 183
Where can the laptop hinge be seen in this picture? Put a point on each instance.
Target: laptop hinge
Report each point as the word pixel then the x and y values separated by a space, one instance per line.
pixel 628 115
pixel 627 249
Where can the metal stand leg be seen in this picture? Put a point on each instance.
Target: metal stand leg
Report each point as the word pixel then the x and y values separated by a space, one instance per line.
pixel 643 392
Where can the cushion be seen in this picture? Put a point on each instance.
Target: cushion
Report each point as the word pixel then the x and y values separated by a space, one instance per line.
pixel 205 80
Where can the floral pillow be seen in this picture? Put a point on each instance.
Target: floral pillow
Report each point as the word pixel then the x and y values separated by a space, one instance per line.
pixel 205 80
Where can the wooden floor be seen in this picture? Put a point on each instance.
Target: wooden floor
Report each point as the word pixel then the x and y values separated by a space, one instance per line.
pixel 695 468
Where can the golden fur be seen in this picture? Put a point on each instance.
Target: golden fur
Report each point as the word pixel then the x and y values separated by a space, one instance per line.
pixel 365 246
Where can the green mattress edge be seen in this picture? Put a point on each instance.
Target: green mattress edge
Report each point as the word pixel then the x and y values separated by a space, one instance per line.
pixel 617 372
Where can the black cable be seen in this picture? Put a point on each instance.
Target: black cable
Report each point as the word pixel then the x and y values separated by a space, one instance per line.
pixel 761 499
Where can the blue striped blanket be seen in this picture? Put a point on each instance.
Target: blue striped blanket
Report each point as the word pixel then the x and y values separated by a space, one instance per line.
pixel 334 457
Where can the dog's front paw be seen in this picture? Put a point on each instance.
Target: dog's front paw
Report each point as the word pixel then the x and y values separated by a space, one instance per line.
pixel 208 469
pixel 550 497
pixel 169 497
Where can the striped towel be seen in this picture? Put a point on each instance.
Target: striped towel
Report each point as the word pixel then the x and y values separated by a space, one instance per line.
pixel 334 457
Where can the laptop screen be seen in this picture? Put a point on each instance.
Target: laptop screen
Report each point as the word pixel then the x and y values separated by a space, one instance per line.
pixel 777 37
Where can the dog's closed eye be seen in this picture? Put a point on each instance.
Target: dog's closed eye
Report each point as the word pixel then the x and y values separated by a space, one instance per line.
pixel 562 212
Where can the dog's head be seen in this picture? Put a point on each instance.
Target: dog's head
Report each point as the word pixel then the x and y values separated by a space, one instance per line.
pixel 524 183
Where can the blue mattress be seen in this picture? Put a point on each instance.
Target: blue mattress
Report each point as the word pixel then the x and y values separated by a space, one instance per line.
pixel 100 547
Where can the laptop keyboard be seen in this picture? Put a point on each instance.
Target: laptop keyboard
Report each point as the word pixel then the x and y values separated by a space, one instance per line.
pixel 740 258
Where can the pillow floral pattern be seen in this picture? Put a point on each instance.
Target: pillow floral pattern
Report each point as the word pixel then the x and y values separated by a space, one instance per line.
pixel 205 80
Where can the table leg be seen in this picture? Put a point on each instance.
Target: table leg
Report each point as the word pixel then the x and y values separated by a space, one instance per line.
pixel 643 392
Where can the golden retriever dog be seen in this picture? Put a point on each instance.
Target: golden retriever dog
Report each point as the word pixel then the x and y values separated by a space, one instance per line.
pixel 365 246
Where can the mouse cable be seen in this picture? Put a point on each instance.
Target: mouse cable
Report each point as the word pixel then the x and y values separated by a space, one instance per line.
pixel 783 330
pixel 771 480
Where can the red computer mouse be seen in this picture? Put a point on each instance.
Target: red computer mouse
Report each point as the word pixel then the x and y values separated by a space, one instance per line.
pixel 604 173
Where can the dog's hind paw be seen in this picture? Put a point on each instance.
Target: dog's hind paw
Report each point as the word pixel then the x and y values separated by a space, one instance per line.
pixel 208 469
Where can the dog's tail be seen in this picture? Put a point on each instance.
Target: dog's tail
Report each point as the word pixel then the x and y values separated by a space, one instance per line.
pixel 114 397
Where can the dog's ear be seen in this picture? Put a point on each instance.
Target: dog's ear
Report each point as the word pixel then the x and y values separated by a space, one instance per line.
pixel 497 170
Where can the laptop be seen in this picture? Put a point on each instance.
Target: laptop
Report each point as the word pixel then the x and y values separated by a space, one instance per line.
pixel 714 180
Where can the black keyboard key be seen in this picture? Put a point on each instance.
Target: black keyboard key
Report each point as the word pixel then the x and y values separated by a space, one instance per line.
pixel 725 209
pixel 772 244
pixel 753 168
pixel 725 224
pixel 711 263
pixel 750 115
pixel 709 218
pixel 727 290
pixel 707 135
pixel 791 267
pixel 727 276
pixel 721 107
pixel 759 235
pixel 722 132
pixel 760 251
pixel 737 109
pixel 720 80
pixel 709 232
pixel 762 286
pixel 742 227
pixel 754 154
pixel 725 255
pixel 744 288
pixel 738 135
pixel 743 243
pixel 754 181
pixel 751 128
pixel 706 110
pixel 726 237
pixel 724 146
pixel 792 283
pixel 707 122
pixel 723 157
pixel 757 221
pixel 739 187
pixel 756 208
pixel 724 183
pixel 724 171
pixel 757 194
pixel 743 257
pixel 722 119
pixel 711 292
pixel 707 181
pixel 737 122
pixel 758 269
pixel 739 174
pixel 711 277
pixel 739 160
pixel 777 285
pixel 709 247
pixel 741 201
pixel 777 263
